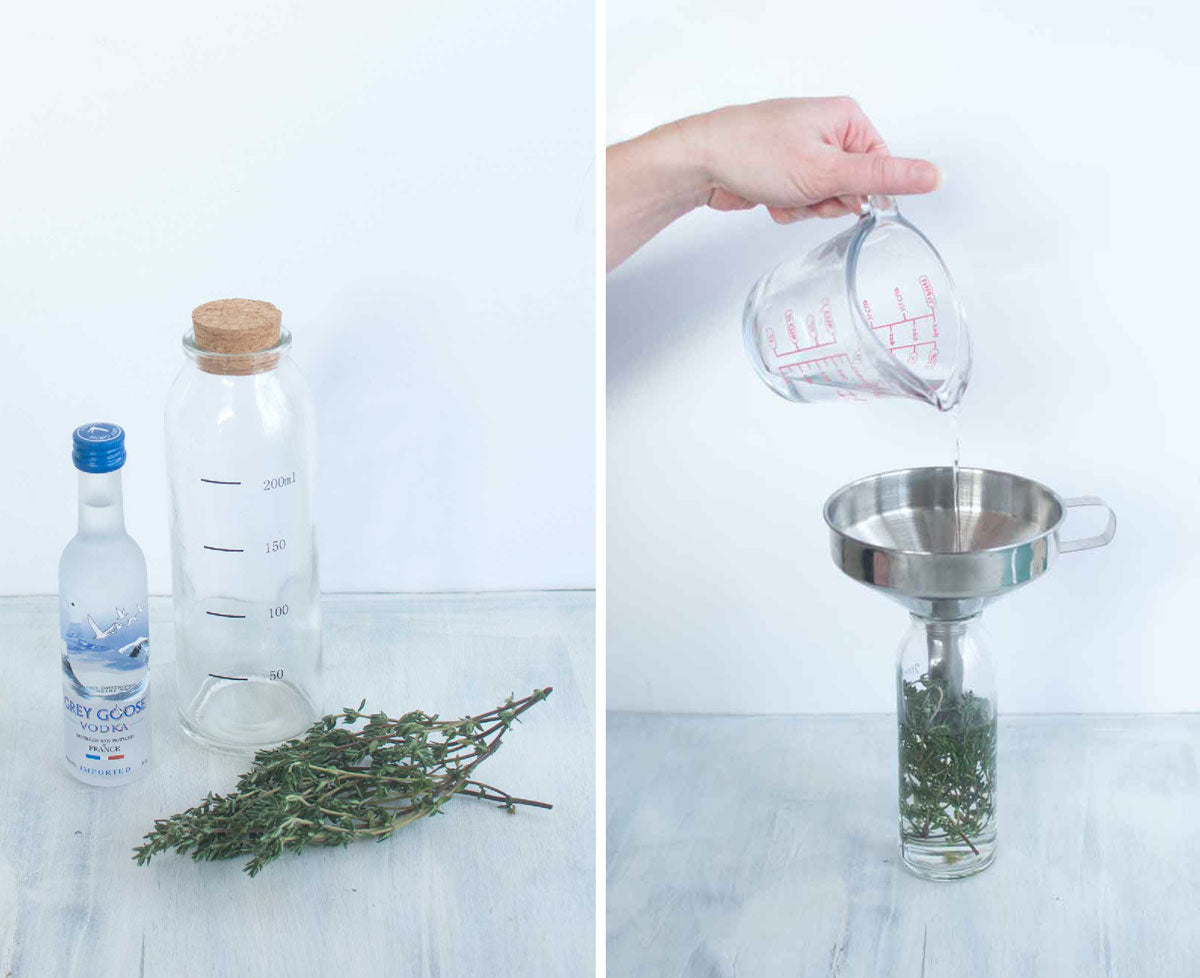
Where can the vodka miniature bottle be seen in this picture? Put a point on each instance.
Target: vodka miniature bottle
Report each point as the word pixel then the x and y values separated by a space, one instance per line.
pixel 103 615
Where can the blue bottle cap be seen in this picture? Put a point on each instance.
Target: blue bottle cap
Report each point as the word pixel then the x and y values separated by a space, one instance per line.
pixel 99 447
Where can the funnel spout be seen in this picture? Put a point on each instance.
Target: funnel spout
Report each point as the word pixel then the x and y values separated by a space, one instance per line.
pixel 943 640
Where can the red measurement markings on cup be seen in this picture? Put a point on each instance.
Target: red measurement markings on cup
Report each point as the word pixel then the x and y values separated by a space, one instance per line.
pixel 828 369
pixel 912 337
pixel 834 370
pixel 813 326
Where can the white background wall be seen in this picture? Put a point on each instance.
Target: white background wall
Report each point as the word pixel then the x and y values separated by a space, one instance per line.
pixel 1065 133
pixel 412 184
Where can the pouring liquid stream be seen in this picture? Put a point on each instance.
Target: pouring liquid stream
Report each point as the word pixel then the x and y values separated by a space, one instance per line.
pixel 957 454
pixel 951 406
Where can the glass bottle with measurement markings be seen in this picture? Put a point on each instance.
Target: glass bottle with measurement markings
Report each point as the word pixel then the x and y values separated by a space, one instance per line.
pixel 240 458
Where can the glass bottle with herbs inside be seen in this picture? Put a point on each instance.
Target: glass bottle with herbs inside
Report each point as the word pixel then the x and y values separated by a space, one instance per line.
pixel 946 707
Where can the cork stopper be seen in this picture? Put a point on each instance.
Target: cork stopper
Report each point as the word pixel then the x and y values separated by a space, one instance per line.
pixel 236 329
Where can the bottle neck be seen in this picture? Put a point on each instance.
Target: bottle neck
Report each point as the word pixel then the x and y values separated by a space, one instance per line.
pixel 944 647
pixel 100 507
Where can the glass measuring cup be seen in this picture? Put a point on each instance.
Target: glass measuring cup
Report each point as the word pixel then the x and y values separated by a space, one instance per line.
pixel 870 313
pixel 240 457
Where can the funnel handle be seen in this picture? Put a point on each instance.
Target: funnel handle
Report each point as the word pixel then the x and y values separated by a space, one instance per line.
pixel 1087 543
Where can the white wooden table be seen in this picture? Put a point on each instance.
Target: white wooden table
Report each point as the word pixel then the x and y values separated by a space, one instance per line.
pixel 766 846
pixel 471 892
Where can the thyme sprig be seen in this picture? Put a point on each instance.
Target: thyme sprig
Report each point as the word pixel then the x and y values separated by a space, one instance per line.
pixel 337 784
pixel 947 762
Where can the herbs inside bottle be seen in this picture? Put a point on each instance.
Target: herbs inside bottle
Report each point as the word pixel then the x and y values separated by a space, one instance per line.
pixel 947 763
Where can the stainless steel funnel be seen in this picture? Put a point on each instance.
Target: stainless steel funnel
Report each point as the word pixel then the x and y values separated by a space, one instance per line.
pixel 896 532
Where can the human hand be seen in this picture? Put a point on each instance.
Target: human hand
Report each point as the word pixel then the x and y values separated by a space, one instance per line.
pixel 800 157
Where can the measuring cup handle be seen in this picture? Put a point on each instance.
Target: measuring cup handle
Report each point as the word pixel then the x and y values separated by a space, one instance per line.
pixel 1087 543
pixel 881 204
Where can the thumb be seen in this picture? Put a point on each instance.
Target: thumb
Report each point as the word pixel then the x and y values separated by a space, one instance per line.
pixel 878 173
